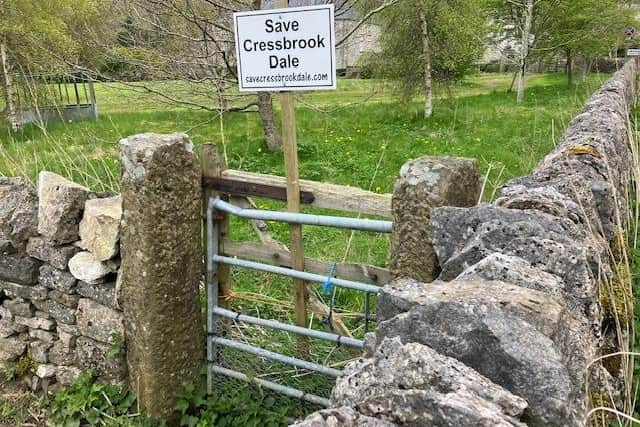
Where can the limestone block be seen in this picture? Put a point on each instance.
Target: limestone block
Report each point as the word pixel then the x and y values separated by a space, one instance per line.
pixel 52 278
pixel 18 211
pixel 104 293
pixel 85 267
pixel 341 417
pixel 161 267
pixel 19 307
pixel 66 375
pixel 100 227
pixel 46 371
pixel 6 247
pixel 7 328
pixel 11 349
pixel 61 203
pixel 424 184
pixel 98 322
pixel 61 313
pixel 33 293
pixel 40 351
pixel 5 314
pixel 94 355
pixel 519 338
pixel 40 335
pixel 36 323
pixel 557 246
pixel 19 269
pixel 411 384
pixel 65 299
pixel 47 251
pixel 62 355
pixel 517 271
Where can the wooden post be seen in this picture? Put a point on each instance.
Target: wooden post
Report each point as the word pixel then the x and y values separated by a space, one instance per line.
pixel 212 167
pixel 290 146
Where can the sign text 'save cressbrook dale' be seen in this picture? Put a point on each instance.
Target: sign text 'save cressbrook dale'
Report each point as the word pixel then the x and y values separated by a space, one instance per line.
pixel 286 49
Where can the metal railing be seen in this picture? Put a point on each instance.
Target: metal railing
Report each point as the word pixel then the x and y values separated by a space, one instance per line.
pixel 215 312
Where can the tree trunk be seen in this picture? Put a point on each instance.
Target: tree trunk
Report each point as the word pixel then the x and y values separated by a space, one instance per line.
pixel 271 132
pixel 569 68
pixel 428 81
pixel 588 64
pixel 524 54
pixel 11 110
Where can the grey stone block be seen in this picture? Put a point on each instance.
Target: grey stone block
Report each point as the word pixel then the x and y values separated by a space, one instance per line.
pixel 94 355
pixel 58 311
pixel 47 251
pixel 36 323
pixel 19 307
pixel 424 184
pixel 18 210
pixel 519 338
pixel 98 321
pixel 11 349
pixel 33 293
pixel 100 227
pixel 161 194
pixel 413 385
pixel 61 203
pixel 65 299
pixel 52 278
pixel 19 269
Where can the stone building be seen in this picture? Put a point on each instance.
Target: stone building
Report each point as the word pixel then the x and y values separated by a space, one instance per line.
pixel 365 39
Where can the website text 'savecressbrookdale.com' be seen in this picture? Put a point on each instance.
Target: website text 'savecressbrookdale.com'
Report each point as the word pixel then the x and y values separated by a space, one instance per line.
pixel 289 78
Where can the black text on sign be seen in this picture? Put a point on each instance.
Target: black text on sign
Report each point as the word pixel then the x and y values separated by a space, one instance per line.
pixel 286 49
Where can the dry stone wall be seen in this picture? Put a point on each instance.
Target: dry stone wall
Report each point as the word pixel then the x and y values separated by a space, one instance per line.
pixel 526 299
pixel 59 249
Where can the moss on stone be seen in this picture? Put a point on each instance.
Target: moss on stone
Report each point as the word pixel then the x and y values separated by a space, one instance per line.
pixel 616 296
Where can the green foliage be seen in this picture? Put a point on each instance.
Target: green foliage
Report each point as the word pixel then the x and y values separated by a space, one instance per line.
pixel 116 346
pixel 456 33
pixel 41 33
pixel 88 402
pixel 587 28
pixel 246 407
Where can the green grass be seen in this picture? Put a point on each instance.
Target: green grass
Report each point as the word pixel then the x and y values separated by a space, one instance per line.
pixel 360 135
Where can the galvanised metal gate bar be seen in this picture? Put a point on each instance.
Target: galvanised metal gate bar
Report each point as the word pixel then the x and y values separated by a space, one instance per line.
pixel 214 311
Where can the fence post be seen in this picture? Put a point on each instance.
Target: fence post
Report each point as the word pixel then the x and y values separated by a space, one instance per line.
pixel 161 268
pixel 212 167
pixel 92 95
pixel 426 183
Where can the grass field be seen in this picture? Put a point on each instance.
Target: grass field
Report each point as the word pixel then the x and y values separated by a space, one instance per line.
pixel 360 135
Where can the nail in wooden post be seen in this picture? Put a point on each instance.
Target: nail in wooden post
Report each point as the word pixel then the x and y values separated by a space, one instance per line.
pixel 293 204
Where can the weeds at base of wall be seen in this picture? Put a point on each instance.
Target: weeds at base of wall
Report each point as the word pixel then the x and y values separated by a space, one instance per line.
pixel 88 402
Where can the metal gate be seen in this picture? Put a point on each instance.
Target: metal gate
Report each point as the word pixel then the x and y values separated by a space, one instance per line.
pixel 215 313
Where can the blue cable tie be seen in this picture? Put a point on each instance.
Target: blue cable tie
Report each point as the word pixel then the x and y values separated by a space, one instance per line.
pixel 327 288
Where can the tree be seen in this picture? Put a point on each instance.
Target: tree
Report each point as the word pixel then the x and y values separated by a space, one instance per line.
pixel 34 34
pixel 583 28
pixel 187 40
pixel 552 28
pixel 427 40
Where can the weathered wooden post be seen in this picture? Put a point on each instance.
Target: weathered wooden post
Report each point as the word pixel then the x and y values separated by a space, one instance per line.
pixel 308 66
pixel 212 167
pixel 161 268
pixel 290 145
pixel 426 183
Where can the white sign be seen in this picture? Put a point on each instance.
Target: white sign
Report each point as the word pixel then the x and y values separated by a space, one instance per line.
pixel 633 52
pixel 286 49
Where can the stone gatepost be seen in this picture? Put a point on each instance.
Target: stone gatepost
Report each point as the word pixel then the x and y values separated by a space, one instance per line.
pixel 424 184
pixel 162 267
